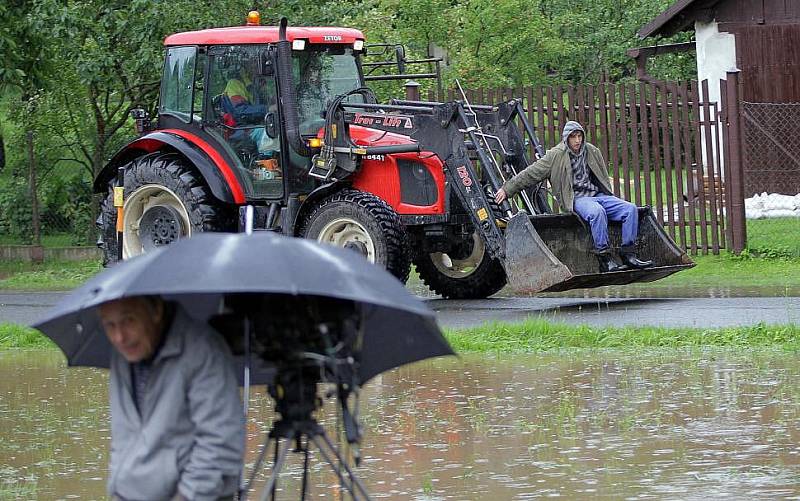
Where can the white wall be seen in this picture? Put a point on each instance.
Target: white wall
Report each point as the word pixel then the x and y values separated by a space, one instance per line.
pixel 716 55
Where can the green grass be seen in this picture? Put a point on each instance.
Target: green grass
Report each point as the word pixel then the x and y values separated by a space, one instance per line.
pixel 779 237
pixel 49 240
pixel 50 275
pixel 19 336
pixel 537 335
pixel 727 270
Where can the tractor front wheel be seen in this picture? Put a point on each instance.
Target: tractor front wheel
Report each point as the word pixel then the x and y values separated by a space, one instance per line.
pixel 364 223
pixel 472 275
pixel 165 200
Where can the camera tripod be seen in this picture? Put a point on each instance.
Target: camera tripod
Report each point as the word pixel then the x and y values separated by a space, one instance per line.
pixel 283 433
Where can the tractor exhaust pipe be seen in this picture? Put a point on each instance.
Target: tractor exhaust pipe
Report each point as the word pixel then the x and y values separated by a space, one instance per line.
pixel 287 92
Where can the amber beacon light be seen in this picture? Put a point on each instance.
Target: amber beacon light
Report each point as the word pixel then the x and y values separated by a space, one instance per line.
pixel 253 18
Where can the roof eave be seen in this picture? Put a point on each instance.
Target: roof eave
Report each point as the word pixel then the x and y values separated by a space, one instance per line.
pixel 669 22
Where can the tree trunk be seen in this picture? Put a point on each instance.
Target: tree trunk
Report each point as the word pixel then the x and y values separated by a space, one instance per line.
pixel 37 254
pixel 2 153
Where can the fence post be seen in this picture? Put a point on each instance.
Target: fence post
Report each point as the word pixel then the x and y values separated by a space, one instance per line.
pixel 412 90
pixel 37 252
pixel 734 156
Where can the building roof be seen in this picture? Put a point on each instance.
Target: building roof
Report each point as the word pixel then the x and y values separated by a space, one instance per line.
pixel 676 18
pixel 264 34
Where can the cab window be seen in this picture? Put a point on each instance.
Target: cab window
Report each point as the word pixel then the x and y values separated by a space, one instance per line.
pixel 177 85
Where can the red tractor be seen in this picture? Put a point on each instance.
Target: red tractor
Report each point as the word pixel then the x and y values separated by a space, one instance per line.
pixel 279 119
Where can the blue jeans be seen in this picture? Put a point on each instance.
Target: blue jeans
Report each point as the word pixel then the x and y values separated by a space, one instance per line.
pixel 600 209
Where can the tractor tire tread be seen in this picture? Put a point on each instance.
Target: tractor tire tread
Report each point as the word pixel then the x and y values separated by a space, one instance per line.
pixel 392 228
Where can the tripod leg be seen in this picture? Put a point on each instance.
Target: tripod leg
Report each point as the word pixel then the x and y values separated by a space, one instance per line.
pixel 353 480
pixel 280 456
pixel 305 473
pixel 245 488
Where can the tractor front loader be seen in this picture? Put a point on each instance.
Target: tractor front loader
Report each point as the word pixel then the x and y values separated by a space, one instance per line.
pixel 480 147
pixel 279 119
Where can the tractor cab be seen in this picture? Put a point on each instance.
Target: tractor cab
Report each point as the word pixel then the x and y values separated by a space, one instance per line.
pixel 230 95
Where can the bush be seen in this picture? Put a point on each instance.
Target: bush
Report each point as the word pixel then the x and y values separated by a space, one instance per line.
pixel 15 210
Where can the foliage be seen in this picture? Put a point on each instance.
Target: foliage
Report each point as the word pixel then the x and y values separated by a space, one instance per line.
pixel 15 209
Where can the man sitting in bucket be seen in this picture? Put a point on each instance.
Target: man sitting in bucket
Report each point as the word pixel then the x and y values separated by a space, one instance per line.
pixel 177 426
pixel 580 182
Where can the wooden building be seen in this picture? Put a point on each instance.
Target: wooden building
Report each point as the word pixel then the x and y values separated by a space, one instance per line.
pixel 760 38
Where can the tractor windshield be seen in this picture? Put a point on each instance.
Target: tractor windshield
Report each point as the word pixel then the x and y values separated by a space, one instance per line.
pixel 320 74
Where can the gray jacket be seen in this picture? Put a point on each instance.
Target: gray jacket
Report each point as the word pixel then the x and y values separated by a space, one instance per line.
pixel 556 167
pixel 190 435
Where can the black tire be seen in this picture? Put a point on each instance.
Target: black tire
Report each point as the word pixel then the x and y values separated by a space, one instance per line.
pixel 173 196
pixel 365 223
pixel 475 277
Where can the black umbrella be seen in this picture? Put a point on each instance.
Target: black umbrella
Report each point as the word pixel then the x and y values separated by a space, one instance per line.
pixel 283 286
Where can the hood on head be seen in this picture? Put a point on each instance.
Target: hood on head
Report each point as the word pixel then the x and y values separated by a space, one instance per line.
pixel 570 127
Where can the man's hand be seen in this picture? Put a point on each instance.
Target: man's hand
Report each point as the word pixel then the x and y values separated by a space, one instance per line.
pixel 500 196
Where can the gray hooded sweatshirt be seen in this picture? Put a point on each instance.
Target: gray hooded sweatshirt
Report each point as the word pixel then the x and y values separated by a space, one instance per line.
pixel 556 165
pixel 582 184
pixel 188 433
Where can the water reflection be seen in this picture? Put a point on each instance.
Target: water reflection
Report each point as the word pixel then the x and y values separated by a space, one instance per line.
pixel 666 425
pixel 643 291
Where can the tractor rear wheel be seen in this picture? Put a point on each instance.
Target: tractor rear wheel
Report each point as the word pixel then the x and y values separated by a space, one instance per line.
pixel 474 275
pixel 364 223
pixel 165 200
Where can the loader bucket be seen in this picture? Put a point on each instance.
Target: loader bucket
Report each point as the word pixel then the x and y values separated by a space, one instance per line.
pixel 554 252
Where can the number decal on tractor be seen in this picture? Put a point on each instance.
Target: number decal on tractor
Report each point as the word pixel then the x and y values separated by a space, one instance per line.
pixel 464 175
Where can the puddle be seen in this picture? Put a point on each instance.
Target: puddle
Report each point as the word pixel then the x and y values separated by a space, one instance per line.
pixel 658 425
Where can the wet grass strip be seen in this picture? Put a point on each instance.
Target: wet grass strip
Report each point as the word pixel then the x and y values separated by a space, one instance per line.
pixel 50 275
pixel 538 335
pixel 20 336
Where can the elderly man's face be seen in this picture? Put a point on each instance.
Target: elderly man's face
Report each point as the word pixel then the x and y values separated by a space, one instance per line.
pixel 134 326
pixel 575 141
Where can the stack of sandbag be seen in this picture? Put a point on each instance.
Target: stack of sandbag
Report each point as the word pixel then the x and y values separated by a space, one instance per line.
pixel 772 205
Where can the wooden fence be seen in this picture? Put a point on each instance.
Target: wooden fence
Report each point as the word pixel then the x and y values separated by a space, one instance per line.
pixel 663 143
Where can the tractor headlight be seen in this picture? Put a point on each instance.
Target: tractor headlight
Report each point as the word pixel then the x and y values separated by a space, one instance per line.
pixel 358 45
pixel 298 44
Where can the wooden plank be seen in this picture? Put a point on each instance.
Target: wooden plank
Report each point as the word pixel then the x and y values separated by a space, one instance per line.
pixel 634 128
pixel 700 169
pixel 718 185
pixel 645 134
pixel 657 159
pixel 676 151
pixel 539 124
pixel 728 230
pixel 624 144
pixel 603 111
pixel 614 143
pixel 591 115
pixel 668 180
pixel 551 119
pixel 691 215
pixel 563 115
pixel 710 139
pixel 580 108
pixel 572 112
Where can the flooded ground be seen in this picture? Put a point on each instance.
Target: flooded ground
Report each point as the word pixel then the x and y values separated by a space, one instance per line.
pixel 642 291
pixel 657 425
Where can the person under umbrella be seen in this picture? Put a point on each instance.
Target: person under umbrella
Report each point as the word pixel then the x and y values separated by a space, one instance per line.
pixel 294 312
pixel 177 427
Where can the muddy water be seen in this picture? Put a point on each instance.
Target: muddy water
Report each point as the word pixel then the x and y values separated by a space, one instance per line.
pixel 657 425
